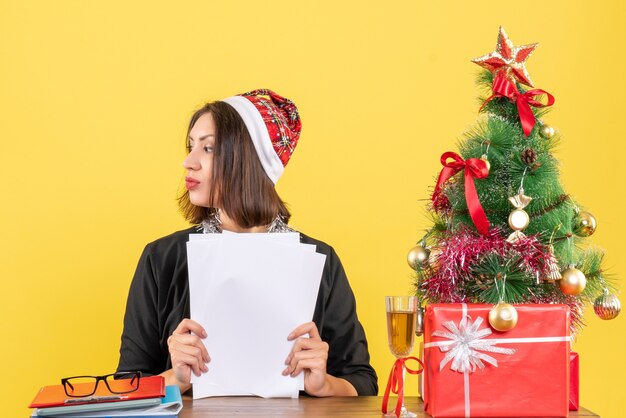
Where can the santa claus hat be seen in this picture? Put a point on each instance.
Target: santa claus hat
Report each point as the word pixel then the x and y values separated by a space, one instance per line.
pixel 274 125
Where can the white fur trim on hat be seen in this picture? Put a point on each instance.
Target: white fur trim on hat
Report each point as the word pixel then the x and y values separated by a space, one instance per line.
pixel 260 138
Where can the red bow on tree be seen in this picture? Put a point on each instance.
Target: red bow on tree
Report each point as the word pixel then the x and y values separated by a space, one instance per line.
pixel 504 87
pixel 475 168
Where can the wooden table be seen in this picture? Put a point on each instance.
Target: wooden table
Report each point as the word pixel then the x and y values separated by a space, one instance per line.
pixel 362 406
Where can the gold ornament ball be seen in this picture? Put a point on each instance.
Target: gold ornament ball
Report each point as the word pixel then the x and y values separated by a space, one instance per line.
pixel 487 163
pixel 573 281
pixel 503 317
pixel 584 224
pixel 546 131
pixel 417 256
pixel 518 219
pixel 607 306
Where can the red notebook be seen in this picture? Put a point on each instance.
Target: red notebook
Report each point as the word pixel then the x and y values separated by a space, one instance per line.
pixel 149 387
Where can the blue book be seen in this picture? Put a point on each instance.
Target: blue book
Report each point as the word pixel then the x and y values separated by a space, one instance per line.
pixel 169 407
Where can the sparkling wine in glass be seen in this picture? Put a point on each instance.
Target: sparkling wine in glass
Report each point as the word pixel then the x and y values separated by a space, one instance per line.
pixel 401 316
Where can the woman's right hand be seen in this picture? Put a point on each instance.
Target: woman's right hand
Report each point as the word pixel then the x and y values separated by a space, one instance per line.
pixel 187 352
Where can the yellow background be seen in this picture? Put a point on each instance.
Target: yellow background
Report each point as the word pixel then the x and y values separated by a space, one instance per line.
pixel 95 96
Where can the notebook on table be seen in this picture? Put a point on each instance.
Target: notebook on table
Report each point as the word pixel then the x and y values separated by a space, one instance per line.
pixel 54 396
pixel 168 407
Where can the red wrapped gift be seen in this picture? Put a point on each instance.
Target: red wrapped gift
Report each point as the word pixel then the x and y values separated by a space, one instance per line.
pixel 473 370
pixel 573 382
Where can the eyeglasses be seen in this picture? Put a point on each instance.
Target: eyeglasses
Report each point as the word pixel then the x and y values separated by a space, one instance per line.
pixel 80 386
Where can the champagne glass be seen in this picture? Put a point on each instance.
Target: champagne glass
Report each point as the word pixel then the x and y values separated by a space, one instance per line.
pixel 401 316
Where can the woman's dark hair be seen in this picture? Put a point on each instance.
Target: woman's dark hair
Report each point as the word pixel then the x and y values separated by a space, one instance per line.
pixel 239 185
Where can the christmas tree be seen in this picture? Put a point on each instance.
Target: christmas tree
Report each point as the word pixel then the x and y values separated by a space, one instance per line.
pixel 504 230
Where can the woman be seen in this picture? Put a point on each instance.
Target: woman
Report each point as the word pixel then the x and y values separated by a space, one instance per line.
pixel 237 151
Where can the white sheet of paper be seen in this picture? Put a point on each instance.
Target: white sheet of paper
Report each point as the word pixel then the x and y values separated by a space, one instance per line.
pixel 290 237
pixel 249 291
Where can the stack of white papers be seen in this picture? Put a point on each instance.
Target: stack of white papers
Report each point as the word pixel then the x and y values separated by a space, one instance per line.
pixel 249 291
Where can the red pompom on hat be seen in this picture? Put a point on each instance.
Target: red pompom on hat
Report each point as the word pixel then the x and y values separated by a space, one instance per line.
pixel 274 125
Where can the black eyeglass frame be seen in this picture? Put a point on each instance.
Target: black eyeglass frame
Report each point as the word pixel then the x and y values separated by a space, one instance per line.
pixel 132 375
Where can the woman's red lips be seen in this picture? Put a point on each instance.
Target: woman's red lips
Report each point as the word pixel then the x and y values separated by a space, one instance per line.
pixel 191 183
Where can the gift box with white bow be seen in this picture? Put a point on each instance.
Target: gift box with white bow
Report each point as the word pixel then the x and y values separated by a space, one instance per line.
pixel 474 370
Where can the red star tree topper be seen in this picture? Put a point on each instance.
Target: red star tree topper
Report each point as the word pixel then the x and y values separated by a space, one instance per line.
pixel 508 60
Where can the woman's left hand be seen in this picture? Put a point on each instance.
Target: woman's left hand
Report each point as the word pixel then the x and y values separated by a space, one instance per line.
pixel 308 354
